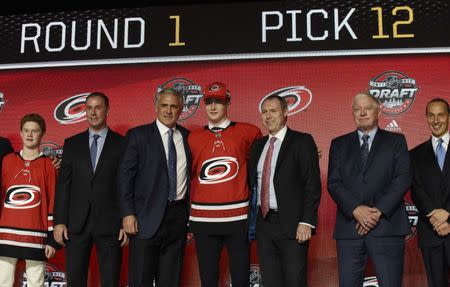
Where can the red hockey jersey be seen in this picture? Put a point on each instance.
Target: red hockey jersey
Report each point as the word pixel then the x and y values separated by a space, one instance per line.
pixel 219 191
pixel 26 211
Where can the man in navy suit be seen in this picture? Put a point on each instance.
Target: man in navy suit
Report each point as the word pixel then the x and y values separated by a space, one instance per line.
pixel 284 168
pixel 86 209
pixel 154 195
pixel 430 191
pixel 368 174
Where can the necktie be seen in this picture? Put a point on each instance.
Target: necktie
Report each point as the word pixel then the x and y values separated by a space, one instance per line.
pixel 93 150
pixel 172 166
pixel 365 149
pixel 265 184
pixel 440 153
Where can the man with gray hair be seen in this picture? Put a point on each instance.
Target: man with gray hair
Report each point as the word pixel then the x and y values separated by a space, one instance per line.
pixel 368 174
pixel 153 186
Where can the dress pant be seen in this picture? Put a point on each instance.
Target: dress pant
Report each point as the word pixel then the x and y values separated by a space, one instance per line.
pixel 386 253
pixel 78 251
pixel 160 258
pixel 282 259
pixel 35 271
pixel 437 263
pixel 209 247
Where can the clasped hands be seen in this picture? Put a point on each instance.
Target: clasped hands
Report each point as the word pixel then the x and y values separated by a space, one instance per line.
pixel 367 218
pixel 438 218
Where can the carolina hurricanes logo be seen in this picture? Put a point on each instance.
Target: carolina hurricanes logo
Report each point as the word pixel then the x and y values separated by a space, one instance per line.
pixel 298 98
pixel 22 196
pixel 218 169
pixel 71 110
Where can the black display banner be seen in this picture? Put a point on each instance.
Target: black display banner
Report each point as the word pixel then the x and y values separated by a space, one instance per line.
pixel 224 31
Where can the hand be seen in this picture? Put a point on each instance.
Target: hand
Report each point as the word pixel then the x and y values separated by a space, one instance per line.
pixel 438 217
pixel 123 237
pixel 319 153
pixel 443 229
pixel 367 217
pixel 55 161
pixel 361 231
pixel 303 233
pixel 49 251
pixel 130 225
pixel 60 233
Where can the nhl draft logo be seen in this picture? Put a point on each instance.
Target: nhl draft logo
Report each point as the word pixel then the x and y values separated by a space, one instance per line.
pixel 2 101
pixel 218 169
pixel 298 98
pixel 255 277
pixel 53 277
pixel 370 281
pixel 71 110
pixel 51 149
pixel 395 91
pixel 22 196
pixel 192 94
pixel 413 216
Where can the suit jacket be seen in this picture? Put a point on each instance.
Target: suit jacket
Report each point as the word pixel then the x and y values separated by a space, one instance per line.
pixel 296 179
pixel 5 148
pixel 81 192
pixel 429 190
pixel 143 181
pixel 381 183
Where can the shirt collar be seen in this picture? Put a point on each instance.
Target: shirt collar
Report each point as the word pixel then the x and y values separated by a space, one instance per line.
pixel 280 134
pixel 101 133
pixel 223 125
pixel 445 137
pixel 164 129
pixel 371 133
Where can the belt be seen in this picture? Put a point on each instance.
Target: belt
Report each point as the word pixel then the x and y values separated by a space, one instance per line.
pixel 176 202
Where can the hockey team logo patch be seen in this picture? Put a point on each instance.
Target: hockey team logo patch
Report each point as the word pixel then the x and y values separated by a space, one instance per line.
pixel 192 94
pixel 413 216
pixel 395 91
pixel 22 197
pixel 298 98
pixel 218 169
pixel 370 281
pixel 51 149
pixel 54 277
pixel 71 110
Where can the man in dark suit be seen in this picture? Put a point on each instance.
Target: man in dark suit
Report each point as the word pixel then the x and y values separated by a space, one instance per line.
pixel 430 191
pixel 368 174
pixel 284 168
pixel 154 195
pixel 86 206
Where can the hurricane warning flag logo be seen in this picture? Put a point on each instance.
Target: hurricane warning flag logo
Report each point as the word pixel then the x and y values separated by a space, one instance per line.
pixel 218 169
pixel 71 110
pixel 395 91
pixel 298 98
pixel 22 196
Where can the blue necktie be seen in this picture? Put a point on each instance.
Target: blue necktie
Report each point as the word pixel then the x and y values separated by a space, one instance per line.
pixel 94 150
pixel 172 167
pixel 365 149
pixel 440 153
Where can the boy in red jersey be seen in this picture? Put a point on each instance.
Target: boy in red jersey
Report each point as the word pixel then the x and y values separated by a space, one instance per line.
pixel 27 196
pixel 220 196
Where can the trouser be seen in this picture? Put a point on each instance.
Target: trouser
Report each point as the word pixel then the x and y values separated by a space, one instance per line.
pixel 35 272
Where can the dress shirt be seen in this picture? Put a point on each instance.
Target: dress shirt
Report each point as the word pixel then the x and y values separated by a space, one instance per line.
pixel 181 156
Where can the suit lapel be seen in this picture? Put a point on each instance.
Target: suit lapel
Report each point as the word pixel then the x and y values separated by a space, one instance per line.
pixel 105 150
pixel 283 149
pixel 376 143
pixel 155 141
pixel 355 150
pixel 85 150
pixel 429 153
